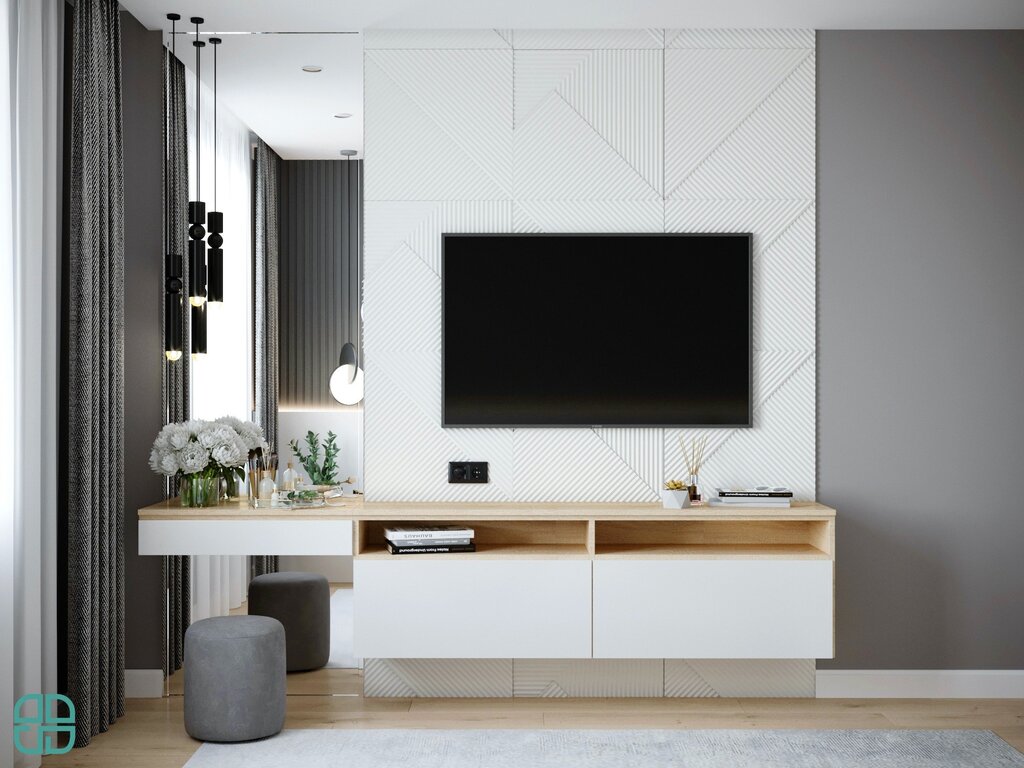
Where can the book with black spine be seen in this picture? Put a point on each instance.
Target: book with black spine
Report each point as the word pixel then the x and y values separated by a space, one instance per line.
pixel 396 549
pixel 460 542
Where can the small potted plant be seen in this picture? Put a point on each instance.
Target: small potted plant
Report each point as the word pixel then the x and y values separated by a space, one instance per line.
pixel 675 495
pixel 323 475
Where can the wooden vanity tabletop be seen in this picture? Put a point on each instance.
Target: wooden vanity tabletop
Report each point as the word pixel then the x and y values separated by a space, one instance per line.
pixel 355 508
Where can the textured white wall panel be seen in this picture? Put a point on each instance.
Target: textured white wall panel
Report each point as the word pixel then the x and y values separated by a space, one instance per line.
pixel 414 158
pixel 739 38
pixel 739 677
pixel 410 678
pixel 612 678
pixel 436 39
pixel 588 216
pixel 588 39
pixel 586 131
pixel 709 95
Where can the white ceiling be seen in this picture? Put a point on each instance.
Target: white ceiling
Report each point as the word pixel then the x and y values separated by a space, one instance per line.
pixel 261 79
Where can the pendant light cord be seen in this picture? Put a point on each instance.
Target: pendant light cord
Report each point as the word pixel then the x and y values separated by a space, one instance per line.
pixel 167 147
pixel 199 165
pixel 215 127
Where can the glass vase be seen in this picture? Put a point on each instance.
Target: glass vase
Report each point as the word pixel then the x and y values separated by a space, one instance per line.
pixel 200 489
pixel 230 486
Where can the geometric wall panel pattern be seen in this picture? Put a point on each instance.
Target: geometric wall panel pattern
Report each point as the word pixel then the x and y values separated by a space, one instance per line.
pixel 409 678
pixel 645 130
pixel 607 678
pixel 751 678
pixel 569 678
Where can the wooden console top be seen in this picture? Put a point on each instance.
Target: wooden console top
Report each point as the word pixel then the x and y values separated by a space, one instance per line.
pixel 356 508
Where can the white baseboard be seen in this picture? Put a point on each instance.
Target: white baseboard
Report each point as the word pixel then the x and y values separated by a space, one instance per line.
pixel 920 683
pixel 143 683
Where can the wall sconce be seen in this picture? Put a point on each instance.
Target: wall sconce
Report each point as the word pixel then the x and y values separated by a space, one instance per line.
pixel 347 380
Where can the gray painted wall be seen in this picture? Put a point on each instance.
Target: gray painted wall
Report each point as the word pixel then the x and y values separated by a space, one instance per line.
pixel 143 348
pixel 920 354
pixel 321 241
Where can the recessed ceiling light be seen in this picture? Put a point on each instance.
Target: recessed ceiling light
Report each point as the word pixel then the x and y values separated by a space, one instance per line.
pixel 347 152
pixel 343 115
pixel 312 68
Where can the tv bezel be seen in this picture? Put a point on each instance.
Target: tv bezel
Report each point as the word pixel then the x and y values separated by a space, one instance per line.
pixel 581 425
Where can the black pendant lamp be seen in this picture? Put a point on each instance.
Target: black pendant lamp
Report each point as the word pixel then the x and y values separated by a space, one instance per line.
pixel 215 219
pixel 198 329
pixel 173 300
pixel 196 219
pixel 197 212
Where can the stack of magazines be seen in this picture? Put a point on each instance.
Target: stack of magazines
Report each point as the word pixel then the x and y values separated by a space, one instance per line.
pixel 428 539
pixel 762 496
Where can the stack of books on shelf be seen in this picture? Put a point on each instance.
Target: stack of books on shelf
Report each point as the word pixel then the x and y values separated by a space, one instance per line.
pixel 428 539
pixel 754 497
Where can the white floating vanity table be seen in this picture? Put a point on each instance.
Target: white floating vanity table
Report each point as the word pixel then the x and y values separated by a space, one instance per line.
pixel 561 599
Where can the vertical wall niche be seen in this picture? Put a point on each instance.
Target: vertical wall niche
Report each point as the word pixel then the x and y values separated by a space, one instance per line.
pixel 585 131
pixel 321 231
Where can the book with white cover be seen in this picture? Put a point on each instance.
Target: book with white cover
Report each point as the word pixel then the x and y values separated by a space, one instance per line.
pixel 427 532
pixel 749 502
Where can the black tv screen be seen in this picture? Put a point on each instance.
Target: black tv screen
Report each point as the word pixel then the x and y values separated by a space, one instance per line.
pixel 597 330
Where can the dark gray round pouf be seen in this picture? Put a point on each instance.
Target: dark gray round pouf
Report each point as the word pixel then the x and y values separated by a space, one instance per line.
pixel 302 603
pixel 234 678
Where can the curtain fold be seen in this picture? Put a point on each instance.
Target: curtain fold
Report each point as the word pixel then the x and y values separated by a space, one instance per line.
pixel 176 592
pixel 268 168
pixel 31 39
pixel 96 374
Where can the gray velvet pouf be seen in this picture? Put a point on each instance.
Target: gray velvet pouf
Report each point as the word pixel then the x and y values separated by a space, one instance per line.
pixel 235 678
pixel 302 603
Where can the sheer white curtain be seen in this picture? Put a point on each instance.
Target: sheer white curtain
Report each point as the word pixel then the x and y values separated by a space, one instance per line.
pixel 31 54
pixel 222 379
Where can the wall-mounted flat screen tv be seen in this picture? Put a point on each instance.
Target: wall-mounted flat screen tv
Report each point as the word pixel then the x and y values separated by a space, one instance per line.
pixel 597 330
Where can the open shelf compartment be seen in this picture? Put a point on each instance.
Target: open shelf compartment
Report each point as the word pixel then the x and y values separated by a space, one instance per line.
pixel 754 539
pixel 493 538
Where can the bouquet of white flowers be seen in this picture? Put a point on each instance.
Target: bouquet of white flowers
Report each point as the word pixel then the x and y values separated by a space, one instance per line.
pixel 203 452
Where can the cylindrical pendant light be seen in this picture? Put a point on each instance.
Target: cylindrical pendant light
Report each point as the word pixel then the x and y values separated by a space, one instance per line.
pixel 215 219
pixel 173 305
pixel 199 330
pixel 197 208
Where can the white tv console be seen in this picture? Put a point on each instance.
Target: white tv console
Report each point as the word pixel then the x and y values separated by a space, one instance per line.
pixel 585 593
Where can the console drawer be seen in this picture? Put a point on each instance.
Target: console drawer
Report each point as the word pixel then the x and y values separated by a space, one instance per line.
pixel 713 609
pixel 421 606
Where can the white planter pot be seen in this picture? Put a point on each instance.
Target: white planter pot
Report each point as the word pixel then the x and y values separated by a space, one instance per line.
pixel 675 499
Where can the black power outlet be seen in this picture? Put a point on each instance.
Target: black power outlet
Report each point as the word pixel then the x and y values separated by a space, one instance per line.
pixel 467 471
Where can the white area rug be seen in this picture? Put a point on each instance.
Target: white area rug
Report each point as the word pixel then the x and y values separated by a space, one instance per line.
pixel 342 656
pixel 614 749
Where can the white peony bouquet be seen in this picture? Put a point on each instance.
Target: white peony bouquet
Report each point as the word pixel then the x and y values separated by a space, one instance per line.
pixel 206 449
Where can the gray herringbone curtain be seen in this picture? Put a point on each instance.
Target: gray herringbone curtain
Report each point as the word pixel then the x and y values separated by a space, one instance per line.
pixel 176 590
pixel 96 374
pixel 266 337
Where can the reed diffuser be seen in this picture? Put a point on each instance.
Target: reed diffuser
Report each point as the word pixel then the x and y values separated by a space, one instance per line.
pixel 693 456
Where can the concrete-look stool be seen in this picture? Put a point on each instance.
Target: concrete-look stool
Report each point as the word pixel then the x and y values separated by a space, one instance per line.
pixel 234 678
pixel 302 603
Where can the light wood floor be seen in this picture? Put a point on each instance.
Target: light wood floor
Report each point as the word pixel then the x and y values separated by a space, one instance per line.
pixel 152 732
